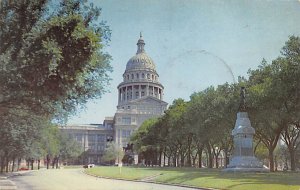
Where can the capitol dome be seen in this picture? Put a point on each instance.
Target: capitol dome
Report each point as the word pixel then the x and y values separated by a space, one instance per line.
pixel 140 79
pixel 141 61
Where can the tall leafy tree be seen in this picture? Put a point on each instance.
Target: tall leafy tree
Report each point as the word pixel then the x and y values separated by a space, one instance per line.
pixel 51 61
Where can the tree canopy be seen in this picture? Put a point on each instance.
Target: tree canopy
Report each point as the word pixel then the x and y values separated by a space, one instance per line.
pixel 204 123
pixel 52 60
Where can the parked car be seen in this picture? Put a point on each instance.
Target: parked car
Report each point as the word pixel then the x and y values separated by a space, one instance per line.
pixel 89 166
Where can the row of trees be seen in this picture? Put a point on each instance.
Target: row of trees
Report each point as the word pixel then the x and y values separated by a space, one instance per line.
pixel 51 62
pixel 204 124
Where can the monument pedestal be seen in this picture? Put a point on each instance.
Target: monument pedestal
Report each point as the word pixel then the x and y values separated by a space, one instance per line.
pixel 243 159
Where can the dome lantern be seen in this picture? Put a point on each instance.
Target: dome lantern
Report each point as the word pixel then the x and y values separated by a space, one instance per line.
pixel 140 44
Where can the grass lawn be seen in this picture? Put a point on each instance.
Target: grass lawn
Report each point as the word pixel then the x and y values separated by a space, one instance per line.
pixel 212 178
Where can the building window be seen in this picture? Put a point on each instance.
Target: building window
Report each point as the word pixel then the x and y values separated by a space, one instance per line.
pixel 126 120
pixel 127 77
pixel 92 138
pixel 137 76
pixel 143 75
pixel 101 138
pixel 148 76
pixel 132 76
pixel 78 137
pixel 126 133
pixel 100 147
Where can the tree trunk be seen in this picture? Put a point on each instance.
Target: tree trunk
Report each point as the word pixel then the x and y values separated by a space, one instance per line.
pixel 164 160
pixel 7 164
pixel 48 160
pixel 226 160
pixel 57 160
pixel 182 160
pixel 39 162
pixel 271 160
pixel 32 161
pixel 293 160
pixel 200 158
pixel 189 153
pixel 13 165
pixel 174 160
pixel 19 163
pixel 210 157
pixel 2 164
pixel 159 158
pixel 194 160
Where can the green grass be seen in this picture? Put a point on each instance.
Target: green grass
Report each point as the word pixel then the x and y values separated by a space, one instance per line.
pixel 130 173
pixel 211 178
pixel 72 166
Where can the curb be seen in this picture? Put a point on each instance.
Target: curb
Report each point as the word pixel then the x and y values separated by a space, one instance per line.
pixel 153 182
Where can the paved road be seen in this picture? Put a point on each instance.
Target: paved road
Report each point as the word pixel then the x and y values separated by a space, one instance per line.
pixel 74 179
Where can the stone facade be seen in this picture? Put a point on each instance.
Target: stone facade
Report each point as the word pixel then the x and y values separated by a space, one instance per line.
pixel 92 138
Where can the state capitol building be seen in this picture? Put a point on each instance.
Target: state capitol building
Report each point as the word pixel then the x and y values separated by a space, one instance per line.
pixel 140 97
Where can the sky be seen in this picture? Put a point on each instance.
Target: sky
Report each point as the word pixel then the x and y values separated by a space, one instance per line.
pixel 194 43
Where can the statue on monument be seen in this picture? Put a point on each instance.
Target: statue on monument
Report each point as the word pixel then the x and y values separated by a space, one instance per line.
pixel 242 107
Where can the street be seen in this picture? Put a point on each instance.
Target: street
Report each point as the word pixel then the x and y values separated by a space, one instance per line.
pixel 67 179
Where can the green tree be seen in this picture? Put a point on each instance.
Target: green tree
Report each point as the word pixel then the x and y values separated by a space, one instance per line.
pixel 51 62
pixel 113 153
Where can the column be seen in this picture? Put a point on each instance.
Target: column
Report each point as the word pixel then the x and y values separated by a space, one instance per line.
pixel 133 92
pixel 123 92
pixel 126 94
pixel 119 95
pixel 140 91
pixel 147 90
pixel 153 91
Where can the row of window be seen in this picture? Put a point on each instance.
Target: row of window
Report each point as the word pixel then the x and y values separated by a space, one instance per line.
pixel 91 137
pixel 94 148
pixel 138 75
pixel 126 120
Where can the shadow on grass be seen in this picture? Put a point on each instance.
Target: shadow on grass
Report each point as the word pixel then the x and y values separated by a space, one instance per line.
pixel 185 175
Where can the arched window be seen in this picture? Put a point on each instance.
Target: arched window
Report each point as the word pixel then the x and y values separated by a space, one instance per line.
pixel 137 76
pixel 127 77
pixel 143 75
pixel 132 76
pixel 148 76
pixel 152 77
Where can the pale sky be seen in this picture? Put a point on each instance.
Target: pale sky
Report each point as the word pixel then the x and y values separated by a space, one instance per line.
pixel 192 42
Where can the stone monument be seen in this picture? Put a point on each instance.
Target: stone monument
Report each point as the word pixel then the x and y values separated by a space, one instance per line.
pixel 243 159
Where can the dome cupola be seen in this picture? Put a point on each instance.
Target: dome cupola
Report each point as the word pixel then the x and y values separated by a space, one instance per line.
pixel 141 61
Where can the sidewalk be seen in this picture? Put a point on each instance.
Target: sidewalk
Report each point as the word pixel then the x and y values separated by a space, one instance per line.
pixel 5 183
